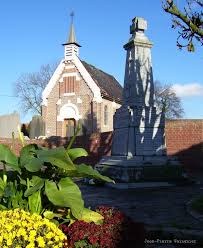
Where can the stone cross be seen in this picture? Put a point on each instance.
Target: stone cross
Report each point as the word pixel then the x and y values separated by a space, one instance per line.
pixel 139 24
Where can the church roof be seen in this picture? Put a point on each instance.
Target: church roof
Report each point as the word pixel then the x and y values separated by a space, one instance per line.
pixel 109 86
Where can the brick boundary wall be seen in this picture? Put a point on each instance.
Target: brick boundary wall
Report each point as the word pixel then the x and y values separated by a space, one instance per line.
pixel 184 139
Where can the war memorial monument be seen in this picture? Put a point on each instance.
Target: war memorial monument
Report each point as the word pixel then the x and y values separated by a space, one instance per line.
pixel 138 147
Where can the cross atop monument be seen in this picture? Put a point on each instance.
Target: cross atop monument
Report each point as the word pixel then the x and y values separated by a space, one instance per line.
pixel 139 24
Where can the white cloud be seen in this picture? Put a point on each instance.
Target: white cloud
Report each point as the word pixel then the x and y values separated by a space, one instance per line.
pixel 193 89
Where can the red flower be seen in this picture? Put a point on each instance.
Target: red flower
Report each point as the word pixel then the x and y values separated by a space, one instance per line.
pixel 116 231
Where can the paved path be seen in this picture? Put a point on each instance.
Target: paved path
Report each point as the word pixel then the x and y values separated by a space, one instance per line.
pixel 163 207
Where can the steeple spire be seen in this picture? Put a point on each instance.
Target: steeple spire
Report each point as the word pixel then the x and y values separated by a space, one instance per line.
pixel 71 46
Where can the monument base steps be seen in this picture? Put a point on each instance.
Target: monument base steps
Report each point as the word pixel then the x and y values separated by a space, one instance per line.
pixel 141 169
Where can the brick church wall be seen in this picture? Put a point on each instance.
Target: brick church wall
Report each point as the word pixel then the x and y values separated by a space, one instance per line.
pixel 81 97
pixel 72 89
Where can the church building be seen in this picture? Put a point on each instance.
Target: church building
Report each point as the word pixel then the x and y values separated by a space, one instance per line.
pixel 79 92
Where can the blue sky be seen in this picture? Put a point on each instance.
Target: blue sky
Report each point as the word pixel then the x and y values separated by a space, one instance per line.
pixel 32 33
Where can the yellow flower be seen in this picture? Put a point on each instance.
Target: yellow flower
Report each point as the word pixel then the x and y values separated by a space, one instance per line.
pixel 31 245
pixel 41 242
pixel 9 242
pixel 27 228
pixel 49 235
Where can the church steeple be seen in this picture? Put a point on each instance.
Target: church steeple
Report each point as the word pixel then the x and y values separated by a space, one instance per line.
pixel 71 47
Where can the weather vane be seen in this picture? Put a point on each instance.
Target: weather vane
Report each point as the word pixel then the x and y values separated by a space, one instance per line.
pixel 72 16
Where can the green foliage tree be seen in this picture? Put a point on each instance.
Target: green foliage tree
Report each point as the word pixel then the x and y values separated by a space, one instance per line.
pixel 167 100
pixel 189 22
pixel 29 87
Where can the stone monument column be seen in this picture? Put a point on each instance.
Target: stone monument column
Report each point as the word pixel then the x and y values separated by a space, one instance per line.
pixel 138 82
pixel 138 137
pixel 138 125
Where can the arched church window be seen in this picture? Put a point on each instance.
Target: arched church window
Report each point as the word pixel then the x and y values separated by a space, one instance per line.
pixel 106 115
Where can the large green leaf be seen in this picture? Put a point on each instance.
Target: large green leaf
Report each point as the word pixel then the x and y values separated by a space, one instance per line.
pixel 50 215
pixel 91 216
pixel 36 183
pixel 8 157
pixel 65 194
pixel 2 207
pixel 57 157
pixel 28 158
pixel 35 202
pixel 33 164
pixel 84 170
pixel 77 153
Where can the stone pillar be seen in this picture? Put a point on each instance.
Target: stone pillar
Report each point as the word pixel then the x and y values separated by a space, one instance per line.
pixel 138 137
pixel 138 82
pixel 138 126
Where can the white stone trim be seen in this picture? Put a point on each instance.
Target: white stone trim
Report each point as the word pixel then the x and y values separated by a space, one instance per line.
pixel 88 79
pixel 68 111
pixel 84 73
pixel 114 105
pixel 97 99
pixel 72 74
pixel 59 101
pixel 69 94
pixel 79 100
pixel 69 66
pixel 52 82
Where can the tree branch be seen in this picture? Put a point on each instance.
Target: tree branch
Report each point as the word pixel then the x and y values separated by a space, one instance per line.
pixel 172 9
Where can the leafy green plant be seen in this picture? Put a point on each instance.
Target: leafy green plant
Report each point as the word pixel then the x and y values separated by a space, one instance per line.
pixel 43 179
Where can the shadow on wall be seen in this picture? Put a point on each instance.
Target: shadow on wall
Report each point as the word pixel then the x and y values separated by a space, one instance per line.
pixel 192 158
pixel 99 144
pixel 89 123
pixel 96 144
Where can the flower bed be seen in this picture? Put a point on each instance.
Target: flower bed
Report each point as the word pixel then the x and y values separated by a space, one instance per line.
pixel 21 229
pixel 38 192
pixel 117 230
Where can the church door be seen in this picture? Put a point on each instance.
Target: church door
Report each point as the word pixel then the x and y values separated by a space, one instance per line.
pixel 69 127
